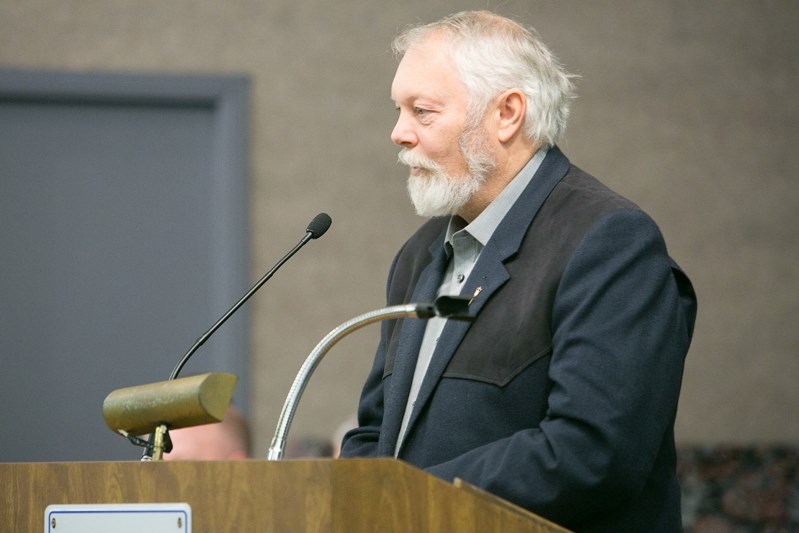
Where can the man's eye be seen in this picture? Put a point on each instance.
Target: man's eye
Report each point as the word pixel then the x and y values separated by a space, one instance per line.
pixel 419 111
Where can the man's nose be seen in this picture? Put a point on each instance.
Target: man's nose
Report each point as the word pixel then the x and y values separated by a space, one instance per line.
pixel 403 134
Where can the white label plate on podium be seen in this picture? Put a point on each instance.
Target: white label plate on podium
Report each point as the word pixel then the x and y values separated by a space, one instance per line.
pixel 119 518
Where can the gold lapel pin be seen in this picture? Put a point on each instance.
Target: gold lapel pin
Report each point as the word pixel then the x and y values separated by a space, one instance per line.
pixel 477 291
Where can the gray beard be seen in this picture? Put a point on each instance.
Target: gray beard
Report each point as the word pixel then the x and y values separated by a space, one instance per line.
pixel 436 193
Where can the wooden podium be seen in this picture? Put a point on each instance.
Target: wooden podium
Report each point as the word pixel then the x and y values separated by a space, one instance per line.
pixel 324 495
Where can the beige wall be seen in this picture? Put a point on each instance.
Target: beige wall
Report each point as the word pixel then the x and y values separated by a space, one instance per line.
pixel 690 110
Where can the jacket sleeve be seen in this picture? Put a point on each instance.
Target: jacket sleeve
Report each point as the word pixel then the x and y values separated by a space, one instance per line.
pixel 620 332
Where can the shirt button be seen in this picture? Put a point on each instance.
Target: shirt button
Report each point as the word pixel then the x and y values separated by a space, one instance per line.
pixel 461 277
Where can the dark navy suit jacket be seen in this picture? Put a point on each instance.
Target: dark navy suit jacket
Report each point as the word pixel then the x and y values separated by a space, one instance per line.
pixel 561 395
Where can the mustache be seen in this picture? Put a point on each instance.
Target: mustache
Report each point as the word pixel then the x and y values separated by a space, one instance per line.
pixel 411 159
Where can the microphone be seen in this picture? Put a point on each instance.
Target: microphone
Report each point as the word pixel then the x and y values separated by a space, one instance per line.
pixel 316 228
pixel 319 225
pixel 159 440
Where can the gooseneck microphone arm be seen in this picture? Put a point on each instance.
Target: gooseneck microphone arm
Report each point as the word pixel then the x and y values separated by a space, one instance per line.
pixel 444 306
pixel 316 228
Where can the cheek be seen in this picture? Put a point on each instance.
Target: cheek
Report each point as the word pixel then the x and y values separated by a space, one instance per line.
pixel 454 163
pixel 445 151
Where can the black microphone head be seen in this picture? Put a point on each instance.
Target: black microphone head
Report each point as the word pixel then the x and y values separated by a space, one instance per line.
pixel 319 225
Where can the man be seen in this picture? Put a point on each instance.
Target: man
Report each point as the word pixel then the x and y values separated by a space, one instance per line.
pixel 561 395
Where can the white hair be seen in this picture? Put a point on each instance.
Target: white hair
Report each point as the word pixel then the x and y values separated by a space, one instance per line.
pixel 494 54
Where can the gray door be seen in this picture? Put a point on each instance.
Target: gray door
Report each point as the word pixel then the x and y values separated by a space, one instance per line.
pixel 123 216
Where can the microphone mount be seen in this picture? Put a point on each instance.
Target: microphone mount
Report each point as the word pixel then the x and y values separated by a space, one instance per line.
pixel 452 307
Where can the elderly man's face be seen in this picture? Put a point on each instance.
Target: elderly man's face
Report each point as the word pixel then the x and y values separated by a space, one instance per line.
pixel 447 160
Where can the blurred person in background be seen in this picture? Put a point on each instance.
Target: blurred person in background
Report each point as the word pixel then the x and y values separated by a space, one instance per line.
pixel 222 441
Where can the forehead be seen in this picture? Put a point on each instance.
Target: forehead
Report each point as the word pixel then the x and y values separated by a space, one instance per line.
pixel 427 71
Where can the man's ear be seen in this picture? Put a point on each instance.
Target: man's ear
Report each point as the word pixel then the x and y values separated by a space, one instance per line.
pixel 511 109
